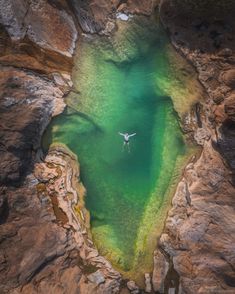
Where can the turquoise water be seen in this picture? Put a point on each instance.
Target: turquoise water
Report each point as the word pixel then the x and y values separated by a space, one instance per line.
pixel 117 90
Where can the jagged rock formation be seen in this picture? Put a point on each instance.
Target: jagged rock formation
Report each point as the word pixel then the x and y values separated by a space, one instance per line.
pixel 94 15
pixel 38 253
pixel 199 232
pixel 44 242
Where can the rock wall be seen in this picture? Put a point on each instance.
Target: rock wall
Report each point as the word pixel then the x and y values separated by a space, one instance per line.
pixel 44 234
pixel 95 16
pixel 45 244
pixel 39 252
pixel 199 233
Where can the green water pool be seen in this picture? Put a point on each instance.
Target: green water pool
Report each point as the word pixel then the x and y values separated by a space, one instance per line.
pixel 126 84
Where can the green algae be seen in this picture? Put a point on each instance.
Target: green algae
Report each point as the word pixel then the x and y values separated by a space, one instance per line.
pixel 132 82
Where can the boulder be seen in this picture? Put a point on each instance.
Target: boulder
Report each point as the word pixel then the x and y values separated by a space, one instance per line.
pixel 51 28
pixel 35 100
pixel 45 25
pixel 229 107
pixel 161 267
pixel 228 77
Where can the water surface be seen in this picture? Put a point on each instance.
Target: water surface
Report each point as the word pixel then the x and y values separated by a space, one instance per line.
pixel 126 84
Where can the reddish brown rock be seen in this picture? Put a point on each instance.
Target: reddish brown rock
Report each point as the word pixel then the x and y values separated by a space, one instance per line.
pixel 61 36
pixel 228 78
pixel 94 15
pixel 199 230
pixel 220 113
pixel 44 24
pixel 39 252
pixel 201 259
pixel 134 289
pixel 161 267
pixel 229 107
pixel 35 100
pixel 25 255
pixel 138 7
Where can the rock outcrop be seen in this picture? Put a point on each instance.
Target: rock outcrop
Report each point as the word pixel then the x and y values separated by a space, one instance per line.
pixel 94 16
pixel 199 233
pixel 42 23
pixel 28 101
pixel 45 245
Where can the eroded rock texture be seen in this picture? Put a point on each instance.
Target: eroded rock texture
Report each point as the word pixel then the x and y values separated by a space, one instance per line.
pixel 31 19
pixel 95 15
pixel 200 229
pixel 28 101
pixel 44 246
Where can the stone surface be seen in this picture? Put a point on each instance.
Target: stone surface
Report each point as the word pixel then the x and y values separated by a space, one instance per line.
pixel 138 6
pixel 134 289
pixel 228 78
pixel 94 15
pixel 161 267
pixel 25 256
pixel 45 244
pixel 42 23
pixel 97 278
pixel 229 107
pixel 148 286
pixel 27 103
pixel 199 231
pixel 61 36
pixel 12 15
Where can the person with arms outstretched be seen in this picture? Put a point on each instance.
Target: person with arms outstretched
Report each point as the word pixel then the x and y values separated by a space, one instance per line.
pixel 126 140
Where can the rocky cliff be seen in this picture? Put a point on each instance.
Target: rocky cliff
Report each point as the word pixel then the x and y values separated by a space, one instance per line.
pixel 199 232
pixel 45 244
pixel 40 250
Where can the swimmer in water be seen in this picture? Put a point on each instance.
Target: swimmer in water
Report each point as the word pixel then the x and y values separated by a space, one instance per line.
pixel 126 140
